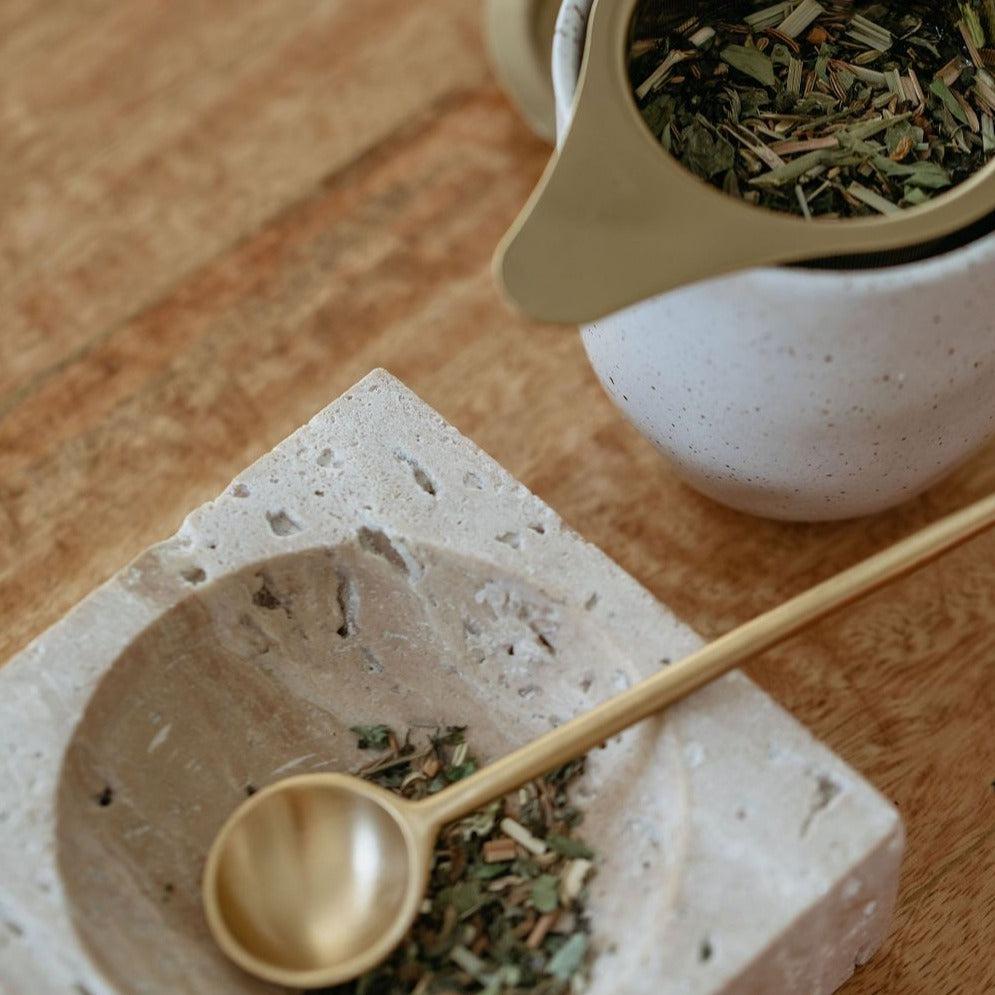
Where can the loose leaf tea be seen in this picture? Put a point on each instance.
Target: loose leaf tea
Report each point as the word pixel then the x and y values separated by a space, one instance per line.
pixel 504 910
pixel 822 108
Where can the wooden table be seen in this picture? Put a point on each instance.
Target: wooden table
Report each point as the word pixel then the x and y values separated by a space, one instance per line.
pixel 214 217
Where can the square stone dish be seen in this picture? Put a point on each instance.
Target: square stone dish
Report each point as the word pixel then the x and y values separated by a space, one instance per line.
pixel 377 566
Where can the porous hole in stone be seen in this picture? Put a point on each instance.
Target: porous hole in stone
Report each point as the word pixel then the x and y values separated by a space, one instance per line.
pixel 826 789
pixel 168 890
pixel 347 599
pixel 512 539
pixel 470 479
pixel 705 951
pixel 621 681
pixel 193 575
pixel 375 541
pixel 319 493
pixel 371 663
pixel 544 642
pixel 325 457
pixel 106 797
pixel 591 601
pixel 240 491
pixel 538 527
pixel 14 928
pixel 250 790
pixel 422 479
pixel 281 523
pixel 265 596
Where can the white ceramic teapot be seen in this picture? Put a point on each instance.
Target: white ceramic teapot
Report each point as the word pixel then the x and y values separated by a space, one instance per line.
pixel 797 393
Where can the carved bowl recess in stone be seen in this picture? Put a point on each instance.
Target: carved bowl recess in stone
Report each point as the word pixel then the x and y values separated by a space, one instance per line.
pixel 378 567
pixel 260 674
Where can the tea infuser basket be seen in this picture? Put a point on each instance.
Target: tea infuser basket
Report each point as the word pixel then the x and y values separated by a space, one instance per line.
pixel 615 219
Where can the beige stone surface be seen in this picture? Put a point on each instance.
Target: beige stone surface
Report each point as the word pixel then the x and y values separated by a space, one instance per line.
pixel 378 566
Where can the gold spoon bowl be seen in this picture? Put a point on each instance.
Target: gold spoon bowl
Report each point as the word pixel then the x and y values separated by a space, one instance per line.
pixel 317 878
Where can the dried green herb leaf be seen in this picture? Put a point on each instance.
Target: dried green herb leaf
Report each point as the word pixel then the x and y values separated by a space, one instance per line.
pixel 372 737
pixel 659 114
pixel 973 24
pixel 569 847
pixel 873 200
pixel 667 138
pixel 457 773
pixel 480 823
pixel 751 62
pixel 463 897
pixel 470 963
pixel 826 52
pixel 545 896
pixel 567 960
pixel 897 133
pixel 449 736
pixel 704 153
pixel 951 103
pixel 485 872
pixel 793 171
pixel 989 9
pixel 752 100
pixel 928 175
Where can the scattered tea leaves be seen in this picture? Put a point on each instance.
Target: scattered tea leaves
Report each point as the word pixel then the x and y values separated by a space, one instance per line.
pixel 823 108
pixel 706 153
pixel 569 957
pixel 371 737
pixel 569 846
pixel 545 897
pixel 504 912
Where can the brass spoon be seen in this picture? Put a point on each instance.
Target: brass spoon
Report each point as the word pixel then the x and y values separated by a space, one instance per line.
pixel 616 220
pixel 317 878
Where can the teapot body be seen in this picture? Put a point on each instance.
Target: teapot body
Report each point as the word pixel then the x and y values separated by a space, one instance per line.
pixel 803 394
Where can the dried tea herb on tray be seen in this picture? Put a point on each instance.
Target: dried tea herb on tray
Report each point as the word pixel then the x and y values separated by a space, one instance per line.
pixel 821 108
pixel 504 911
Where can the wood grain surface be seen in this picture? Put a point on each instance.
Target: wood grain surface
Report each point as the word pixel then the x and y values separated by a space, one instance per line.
pixel 215 216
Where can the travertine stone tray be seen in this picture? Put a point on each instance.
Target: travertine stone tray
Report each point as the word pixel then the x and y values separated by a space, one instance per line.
pixel 376 566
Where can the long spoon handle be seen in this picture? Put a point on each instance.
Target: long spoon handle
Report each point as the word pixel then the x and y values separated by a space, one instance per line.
pixel 577 737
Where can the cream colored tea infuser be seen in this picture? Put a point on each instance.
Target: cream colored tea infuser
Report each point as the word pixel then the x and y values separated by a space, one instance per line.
pixel 317 878
pixel 616 220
